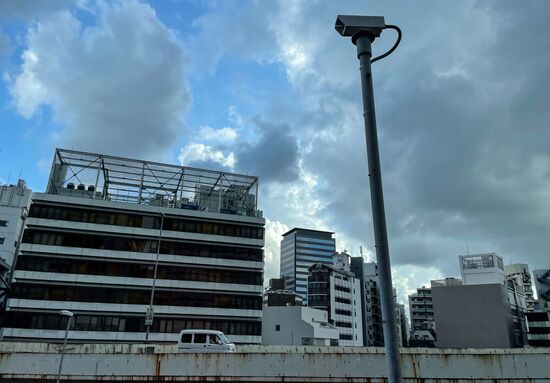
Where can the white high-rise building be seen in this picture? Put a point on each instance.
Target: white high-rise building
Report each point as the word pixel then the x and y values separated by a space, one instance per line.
pixel 14 205
pixel 108 229
pixel 336 290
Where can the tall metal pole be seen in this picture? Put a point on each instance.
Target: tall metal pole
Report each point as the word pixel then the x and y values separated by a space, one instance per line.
pixel 149 320
pixel 69 318
pixel 364 54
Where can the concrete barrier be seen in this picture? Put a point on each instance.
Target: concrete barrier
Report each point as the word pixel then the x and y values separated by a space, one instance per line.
pixel 115 363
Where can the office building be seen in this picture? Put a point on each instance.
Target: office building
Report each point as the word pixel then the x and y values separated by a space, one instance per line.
pixel 297 326
pixel 521 277
pixel 14 205
pixel 93 239
pixel 482 269
pixel 335 290
pixel 542 284
pixel 421 309
pixel 478 316
pixel 301 248
pixel 538 328
pixel 278 295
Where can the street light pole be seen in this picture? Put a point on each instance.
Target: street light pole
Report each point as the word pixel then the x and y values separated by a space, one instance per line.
pixel 363 30
pixel 69 316
pixel 149 313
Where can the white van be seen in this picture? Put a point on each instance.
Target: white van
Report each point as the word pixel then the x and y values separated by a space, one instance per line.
pixel 204 341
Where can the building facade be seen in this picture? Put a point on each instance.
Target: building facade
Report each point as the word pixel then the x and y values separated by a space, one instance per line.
pixel 542 284
pixel 538 324
pixel 14 206
pixel 474 316
pixel 337 292
pixel 519 274
pixel 111 234
pixel 297 326
pixel 301 248
pixel 421 309
pixel 482 269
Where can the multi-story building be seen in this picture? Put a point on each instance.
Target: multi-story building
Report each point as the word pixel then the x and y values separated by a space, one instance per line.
pixel 112 239
pixel 521 277
pixel 542 284
pixel 14 205
pixel 367 273
pixel 538 325
pixel 479 269
pixel 421 309
pixel 335 290
pixel 301 248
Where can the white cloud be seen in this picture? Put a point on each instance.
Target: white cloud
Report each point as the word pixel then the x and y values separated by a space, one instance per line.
pixel 117 86
pixel 273 232
pixel 203 153
pixel 223 135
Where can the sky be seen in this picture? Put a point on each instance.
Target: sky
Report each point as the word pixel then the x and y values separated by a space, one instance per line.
pixel 268 88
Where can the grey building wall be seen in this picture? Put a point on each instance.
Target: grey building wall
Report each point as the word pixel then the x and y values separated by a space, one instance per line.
pixel 472 316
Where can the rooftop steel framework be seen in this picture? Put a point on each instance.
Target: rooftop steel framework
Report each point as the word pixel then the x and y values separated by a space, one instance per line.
pixel 100 176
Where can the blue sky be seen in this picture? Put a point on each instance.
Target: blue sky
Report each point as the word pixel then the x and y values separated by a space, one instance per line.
pixel 268 88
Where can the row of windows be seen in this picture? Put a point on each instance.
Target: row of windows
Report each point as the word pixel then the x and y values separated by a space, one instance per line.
pixel 343 324
pixel 343 312
pixel 134 296
pixel 128 323
pixel 342 300
pixel 342 288
pixel 106 242
pixel 137 270
pixel 321 290
pixel 346 337
pixel 143 221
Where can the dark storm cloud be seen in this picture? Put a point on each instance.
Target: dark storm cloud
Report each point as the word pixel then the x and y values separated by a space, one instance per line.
pixel 274 157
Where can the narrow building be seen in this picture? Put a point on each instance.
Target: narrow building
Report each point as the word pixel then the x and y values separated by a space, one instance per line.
pixel 334 289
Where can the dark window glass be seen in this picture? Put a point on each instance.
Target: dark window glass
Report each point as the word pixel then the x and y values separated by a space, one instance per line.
pixel 187 338
pixel 94 241
pixel 162 297
pixel 143 221
pixel 92 267
pixel 200 338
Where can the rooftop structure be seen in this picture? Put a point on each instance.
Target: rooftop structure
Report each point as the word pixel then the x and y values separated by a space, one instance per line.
pixel 478 269
pixel 100 176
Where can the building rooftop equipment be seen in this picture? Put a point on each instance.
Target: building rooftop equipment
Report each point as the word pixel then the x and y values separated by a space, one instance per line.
pixel 100 176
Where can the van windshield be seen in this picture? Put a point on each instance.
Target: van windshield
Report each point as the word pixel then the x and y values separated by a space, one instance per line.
pixel 224 339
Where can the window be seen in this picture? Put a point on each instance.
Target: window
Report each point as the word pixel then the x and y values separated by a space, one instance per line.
pixel 277 327
pixel 214 339
pixel 187 338
pixel 3 223
pixel 200 338
pixel 2 241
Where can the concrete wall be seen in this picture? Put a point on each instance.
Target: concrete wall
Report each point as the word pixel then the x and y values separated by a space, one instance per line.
pixel 472 316
pixel 272 364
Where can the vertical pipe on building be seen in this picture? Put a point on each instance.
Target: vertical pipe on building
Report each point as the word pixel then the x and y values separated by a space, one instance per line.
pixel 148 327
pixel 364 54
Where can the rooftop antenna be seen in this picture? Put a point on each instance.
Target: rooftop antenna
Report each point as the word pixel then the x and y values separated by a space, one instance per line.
pixel 467 247
pixel 361 251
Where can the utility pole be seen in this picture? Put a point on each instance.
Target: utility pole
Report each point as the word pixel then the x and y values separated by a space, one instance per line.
pixel 363 30
pixel 69 316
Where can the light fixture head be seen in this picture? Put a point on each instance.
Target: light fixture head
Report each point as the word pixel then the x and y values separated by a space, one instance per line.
pixel 348 25
pixel 66 313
